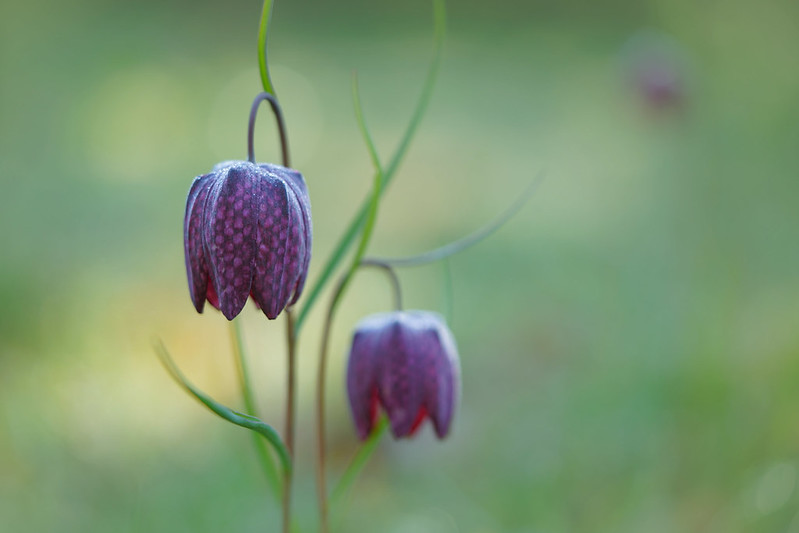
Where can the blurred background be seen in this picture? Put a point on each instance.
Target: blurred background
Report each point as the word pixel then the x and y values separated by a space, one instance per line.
pixel 629 341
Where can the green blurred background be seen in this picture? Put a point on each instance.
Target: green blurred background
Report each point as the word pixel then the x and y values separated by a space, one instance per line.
pixel 629 341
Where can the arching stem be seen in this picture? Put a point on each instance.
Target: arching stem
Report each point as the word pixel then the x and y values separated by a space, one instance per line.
pixel 392 274
pixel 281 128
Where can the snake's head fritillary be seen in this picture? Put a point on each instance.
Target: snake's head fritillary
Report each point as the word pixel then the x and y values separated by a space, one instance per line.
pixel 247 232
pixel 407 363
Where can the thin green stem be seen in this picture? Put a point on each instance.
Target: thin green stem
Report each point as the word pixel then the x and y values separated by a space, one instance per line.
pixel 264 457
pixel 360 218
pixel 266 15
pixel 281 128
pixel 393 278
pixel 447 292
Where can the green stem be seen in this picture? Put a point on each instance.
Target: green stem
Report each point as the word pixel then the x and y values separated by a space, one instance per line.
pixel 392 276
pixel 266 15
pixel 264 457
pixel 360 218
pixel 448 291
pixel 281 128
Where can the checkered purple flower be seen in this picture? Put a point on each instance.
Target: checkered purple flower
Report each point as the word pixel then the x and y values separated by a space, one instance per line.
pixel 406 362
pixel 247 232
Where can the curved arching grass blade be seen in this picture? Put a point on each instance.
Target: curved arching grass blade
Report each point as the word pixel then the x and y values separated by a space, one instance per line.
pixel 470 240
pixel 358 221
pixel 240 419
pixel 263 66
pixel 357 463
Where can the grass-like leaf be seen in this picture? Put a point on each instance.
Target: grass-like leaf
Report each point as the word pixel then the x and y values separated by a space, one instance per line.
pixel 364 129
pixel 358 462
pixel 470 240
pixel 263 29
pixel 358 221
pixel 234 417
pixel 377 186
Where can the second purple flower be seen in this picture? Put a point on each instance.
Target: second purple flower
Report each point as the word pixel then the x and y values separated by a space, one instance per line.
pixel 406 362
pixel 247 232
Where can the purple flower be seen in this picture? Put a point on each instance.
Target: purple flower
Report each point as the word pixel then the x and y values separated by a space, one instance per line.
pixel 407 362
pixel 657 68
pixel 247 232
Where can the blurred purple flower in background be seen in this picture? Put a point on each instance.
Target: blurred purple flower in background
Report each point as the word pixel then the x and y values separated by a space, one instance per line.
pixel 247 232
pixel 656 66
pixel 407 362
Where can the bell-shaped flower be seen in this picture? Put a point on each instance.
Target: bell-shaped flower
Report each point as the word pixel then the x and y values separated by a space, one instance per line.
pixel 406 362
pixel 247 232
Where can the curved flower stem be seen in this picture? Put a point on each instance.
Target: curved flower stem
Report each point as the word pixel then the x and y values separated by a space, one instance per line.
pixel 281 127
pixel 291 381
pixel 368 447
pixel 448 291
pixel 392 274
pixel 267 463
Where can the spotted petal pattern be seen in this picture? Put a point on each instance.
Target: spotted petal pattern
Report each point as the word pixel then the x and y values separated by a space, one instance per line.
pixel 406 362
pixel 247 232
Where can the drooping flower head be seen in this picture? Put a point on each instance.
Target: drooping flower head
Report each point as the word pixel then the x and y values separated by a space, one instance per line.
pixel 406 362
pixel 247 232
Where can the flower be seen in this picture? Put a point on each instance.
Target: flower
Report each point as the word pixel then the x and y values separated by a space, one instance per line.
pixel 407 362
pixel 657 68
pixel 247 232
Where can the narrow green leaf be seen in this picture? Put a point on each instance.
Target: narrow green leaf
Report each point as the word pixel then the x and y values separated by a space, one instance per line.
pixel 337 296
pixel 264 456
pixel 234 417
pixel 470 240
pixel 377 182
pixel 266 15
pixel 367 137
pixel 357 222
pixel 374 202
pixel 358 462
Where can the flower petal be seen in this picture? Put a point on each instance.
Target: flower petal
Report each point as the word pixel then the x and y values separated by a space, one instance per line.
pixel 196 266
pixel 297 184
pixel 293 246
pixel 272 219
pixel 362 370
pixel 401 380
pixel 230 236
pixel 442 379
